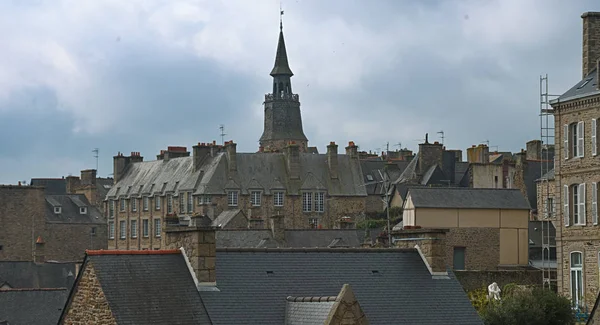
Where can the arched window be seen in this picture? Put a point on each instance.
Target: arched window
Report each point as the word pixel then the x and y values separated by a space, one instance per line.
pixel 576 278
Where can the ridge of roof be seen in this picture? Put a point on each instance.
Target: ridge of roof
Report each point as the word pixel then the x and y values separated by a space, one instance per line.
pixel 311 299
pixel 32 289
pixel 131 252
pixel 314 250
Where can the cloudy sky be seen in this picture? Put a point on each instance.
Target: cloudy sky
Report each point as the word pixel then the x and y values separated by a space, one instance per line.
pixel 140 75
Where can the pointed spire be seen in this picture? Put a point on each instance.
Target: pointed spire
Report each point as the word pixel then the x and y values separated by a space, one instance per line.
pixel 281 61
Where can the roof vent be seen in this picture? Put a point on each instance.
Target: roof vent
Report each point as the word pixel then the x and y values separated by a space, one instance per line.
pixel 269 272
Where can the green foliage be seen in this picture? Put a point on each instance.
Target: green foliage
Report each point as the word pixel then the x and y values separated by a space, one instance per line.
pixel 533 307
pixel 479 299
pixel 371 224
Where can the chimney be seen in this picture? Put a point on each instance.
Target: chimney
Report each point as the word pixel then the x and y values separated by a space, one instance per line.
pixel 120 163
pixel 39 255
pixel 352 150
pixel 88 177
pixel 200 152
pixel 278 228
pixel 231 155
pixel 72 183
pixel 430 154
pixel 173 152
pixel 534 150
pixel 332 159
pixel 591 41
pixel 478 154
pixel 292 156
pixel 197 240
pixel 430 243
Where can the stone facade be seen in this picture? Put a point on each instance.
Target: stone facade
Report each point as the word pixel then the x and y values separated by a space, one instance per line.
pixel 68 242
pixel 88 304
pixel 482 247
pixel 431 242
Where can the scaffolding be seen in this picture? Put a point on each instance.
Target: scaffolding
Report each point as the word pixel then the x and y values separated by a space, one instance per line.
pixel 547 195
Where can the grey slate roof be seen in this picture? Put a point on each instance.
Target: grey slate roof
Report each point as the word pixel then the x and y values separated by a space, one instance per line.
pixel 588 86
pixel 281 66
pixel 402 291
pixel 547 176
pixel 52 186
pixel 225 217
pixel 468 198
pixel 32 306
pixel 535 234
pixel 300 312
pixel 32 275
pixel 295 238
pixel 70 204
pixel 149 288
pixel 266 171
pixel 371 169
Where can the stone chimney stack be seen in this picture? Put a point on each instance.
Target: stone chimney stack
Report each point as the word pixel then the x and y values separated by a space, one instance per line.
pixel 431 244
pixel 292 156
pixel 198 242
pixel 200 152
pixel 231 155
pixel 278 228
pixel 332 159
pixel 120 163
pixel 352 150
pixel 72 184
pixel 88 177
pixel 478 154
pixel 591 41
pixel 430 154
pixel 39 256
pixel 534 150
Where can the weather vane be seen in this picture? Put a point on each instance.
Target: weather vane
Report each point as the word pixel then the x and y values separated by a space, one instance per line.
pixel 280 16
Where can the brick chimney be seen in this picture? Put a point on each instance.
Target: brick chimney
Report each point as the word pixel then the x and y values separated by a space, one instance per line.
pixel 534 150
pixel 198 242
pixel 88 177
pixel 591 41
pixel 231 155
pixel 39 255
pixel 292 157
pixel 352 150
pixel 430 154
pixel 430 243
pixel 332 159
pixel 278 228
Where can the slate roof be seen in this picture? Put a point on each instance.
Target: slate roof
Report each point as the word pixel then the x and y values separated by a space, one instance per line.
pixel 70 204
pixel 535 234
pixel 371 169
pixel 281 66
pixel 147 287
pixel 32 275
pixel 588 86
pixel 295 238
pixel 52 186
pixel 266 171
pixel 398 292
pixel 308 310
pixel 547 176
pixel 32 306
pixel 225 217
pixel 468 198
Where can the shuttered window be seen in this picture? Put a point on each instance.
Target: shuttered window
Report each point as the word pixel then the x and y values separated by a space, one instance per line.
pixel 594 132
pixel 566 205
pixel 595 203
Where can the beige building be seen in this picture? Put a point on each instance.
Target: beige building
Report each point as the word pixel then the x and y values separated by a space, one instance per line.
pixel 577 174
pixel 488 228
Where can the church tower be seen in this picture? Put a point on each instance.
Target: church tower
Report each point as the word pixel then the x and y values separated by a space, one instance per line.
pixel 283 121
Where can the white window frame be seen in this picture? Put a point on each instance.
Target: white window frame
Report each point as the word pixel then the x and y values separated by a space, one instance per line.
pixel 111 208
pixel 594 141
pixel 319 201
pixel 278 198
pixel 133 229
pixel 576 270
pixel 122 229
pixel 157 227
pixel 255 198
pixel 232 198
pixel 133 204
pixel 566 141
pixel 157 202
pixel 57 210
pixel 307 202
pixel 581 218
pixel 313 223
pixel 145 228
pixel 182 202
pixel 566 205
pixel 122 205
pixel 580 139
pixel 169 203
pixel 111 230
pixel 145 203
pixel 207 199
pixel 595 204
pixel 82 210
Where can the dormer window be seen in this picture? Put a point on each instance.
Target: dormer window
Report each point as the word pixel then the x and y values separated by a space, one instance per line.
pixel 82 210
pixel 57 210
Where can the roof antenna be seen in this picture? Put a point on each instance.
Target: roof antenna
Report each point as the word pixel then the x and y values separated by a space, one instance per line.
pixel 280 17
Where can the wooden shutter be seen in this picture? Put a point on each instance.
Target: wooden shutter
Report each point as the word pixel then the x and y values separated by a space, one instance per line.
pixel 580 139
pixel 581 198
pixel 594 141
pixel 595 203
pixel 566 205
pixel 566 141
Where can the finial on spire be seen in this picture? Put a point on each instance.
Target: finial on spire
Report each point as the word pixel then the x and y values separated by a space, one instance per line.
pixel 280 17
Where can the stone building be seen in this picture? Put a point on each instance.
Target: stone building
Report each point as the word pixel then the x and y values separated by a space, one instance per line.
pixel 577 174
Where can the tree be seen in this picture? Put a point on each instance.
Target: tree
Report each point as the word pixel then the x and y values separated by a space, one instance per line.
pixel 533 307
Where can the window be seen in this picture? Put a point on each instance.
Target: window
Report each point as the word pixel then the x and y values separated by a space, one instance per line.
pixel 169 203
pixel 306 202
pixel 82 210
pixel 232 198
pixel 207 199
pixel 122 229
pixel 204 199
pixel 93 231
pixel 157 202
pixel 111 209
pixel 133 228
pixel 576 278
pixel 182 202
pixel 157 227
pixel 319 202
pixel 595 204
pixel 278 199
pixel 145 228
pixel 370 177
pixel 459 258
pixel 574 204
pixel 145 201
pixel 57 210
pixel 574 132
pixel 549 209
pixel 190 202
pixel 111 230
pixel 313 223
pixel 122 207
pixel 255 198
pixel 594 137
pixel 133 204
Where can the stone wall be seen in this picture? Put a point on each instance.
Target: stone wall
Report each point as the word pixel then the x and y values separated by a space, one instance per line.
pixel 471 280
pixel 88 304
pixel 68 242
pixel 431 242
pixel 22 213
pixel 482 247
pixel 200 247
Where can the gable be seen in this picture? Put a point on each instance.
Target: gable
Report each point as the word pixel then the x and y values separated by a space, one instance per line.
pixel 346 310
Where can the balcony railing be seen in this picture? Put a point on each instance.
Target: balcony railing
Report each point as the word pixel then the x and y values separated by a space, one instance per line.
pixel 281 96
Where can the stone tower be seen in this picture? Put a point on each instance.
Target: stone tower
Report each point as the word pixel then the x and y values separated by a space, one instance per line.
pixel 283 121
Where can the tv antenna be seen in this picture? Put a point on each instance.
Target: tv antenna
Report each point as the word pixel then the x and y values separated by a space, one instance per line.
pixel 223 134
pixel 442 136
pixel 96 152
pixel 399 145
pixel 487 142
